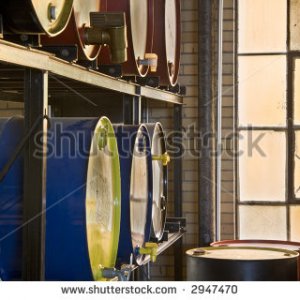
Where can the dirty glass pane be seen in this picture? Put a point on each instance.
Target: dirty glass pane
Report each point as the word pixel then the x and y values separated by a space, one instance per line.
pixel 262 90
pixel 297 92
pixel 295 223
pixel 262 26
pixel 295 24
pixel 297 165
pixel 262 165
pixel 262 222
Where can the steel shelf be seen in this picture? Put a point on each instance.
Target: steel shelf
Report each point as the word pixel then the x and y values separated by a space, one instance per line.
pixel 27 57
pixel 172 239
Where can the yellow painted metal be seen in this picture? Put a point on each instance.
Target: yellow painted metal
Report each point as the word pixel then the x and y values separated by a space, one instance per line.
pixel 150 249
pixel 164 158
pixel 103 200
pixel 53 17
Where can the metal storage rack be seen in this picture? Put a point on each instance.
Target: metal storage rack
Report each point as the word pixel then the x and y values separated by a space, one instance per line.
pixel 24 76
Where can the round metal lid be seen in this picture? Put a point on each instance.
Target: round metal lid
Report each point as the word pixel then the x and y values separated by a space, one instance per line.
pixel 139 27
pixel 103 199
pixel 158 148
pixel 82 9
pixel 242 253
pixel 258 243
pixel 139 191
pixel 53 15
pixel 171 32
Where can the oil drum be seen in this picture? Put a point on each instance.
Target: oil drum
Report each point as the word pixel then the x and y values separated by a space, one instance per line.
pixel 167 40
pixel 136 181
pixel 160 160
pixel 294 246
pixel 241 264
pixel 140 20
pixel 74 32
pixel 82 201
pixel 36 16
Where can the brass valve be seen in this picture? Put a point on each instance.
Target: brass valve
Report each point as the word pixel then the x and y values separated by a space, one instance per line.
pixel 101 136
pixel 108 29
pixel 164 158
pixel 149 249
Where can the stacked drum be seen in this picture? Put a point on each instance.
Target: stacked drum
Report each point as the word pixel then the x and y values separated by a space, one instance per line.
pixel 99 207
pixel 83 200
pixel 35 16
pixel 142 35
pixel 160 160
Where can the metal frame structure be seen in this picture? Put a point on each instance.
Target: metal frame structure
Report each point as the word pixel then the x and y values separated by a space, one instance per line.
pixel 32 85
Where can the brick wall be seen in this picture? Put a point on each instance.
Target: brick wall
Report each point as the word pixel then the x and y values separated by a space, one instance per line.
pixel 9 109
pixel 228 161
pixel 163 269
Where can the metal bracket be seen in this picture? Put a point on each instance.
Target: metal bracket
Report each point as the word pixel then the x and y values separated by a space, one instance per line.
pixel 88 64
pixel 27 40
pixel 152 81
pixel 178 219
pixel 111 70
pixel 175 224
pixel 65 52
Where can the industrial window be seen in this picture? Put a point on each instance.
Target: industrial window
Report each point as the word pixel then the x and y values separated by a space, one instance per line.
pixel 268 124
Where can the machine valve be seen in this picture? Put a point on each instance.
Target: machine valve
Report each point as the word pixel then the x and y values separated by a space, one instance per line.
pixel 164 158
pixel 112 273
pixel 108 29
pixel 151 60
pixel 149 249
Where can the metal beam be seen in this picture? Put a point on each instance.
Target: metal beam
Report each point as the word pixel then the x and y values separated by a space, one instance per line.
pixel 178 249
pixel 31 58
pixel 34 201
pixel 207 114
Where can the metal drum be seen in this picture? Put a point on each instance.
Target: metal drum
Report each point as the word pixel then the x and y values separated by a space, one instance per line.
pixel 36 16
pixel 241 264
pixel 83 200
pixel 140 20
pixel 136 180
pixel 167 40
pixel 74 34
pixel 160 160
pixel 294 246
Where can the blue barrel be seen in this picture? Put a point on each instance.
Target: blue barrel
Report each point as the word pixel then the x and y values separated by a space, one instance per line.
pixel 160 161
pixel 83 200
pixel 11 190
pixel 136 179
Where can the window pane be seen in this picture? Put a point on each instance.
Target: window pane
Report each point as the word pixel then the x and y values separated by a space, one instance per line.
pixel 297 92
pixel 297 165
pixel 262 163
pixel 294 25
pixel 262 90
pixel 262 222
pixel 262 26
pixel 295 223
